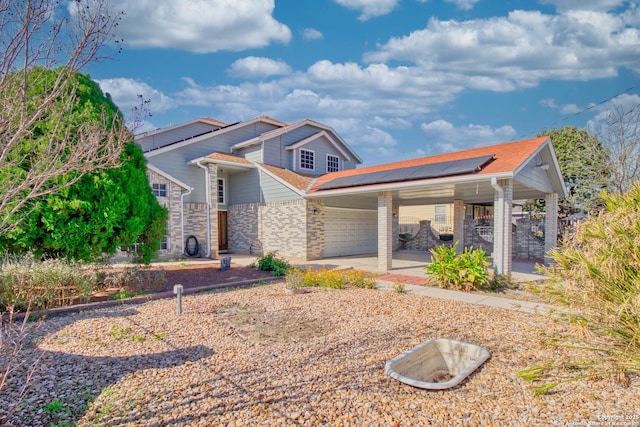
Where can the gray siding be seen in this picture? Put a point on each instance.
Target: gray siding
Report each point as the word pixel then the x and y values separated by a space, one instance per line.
pixel 244 187
pixel 175 162
pixel 321 147
pixel 535 177
pixel 275 191
pixel 253 153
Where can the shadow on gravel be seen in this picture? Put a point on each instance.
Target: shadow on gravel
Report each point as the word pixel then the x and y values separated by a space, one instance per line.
pixel 65 398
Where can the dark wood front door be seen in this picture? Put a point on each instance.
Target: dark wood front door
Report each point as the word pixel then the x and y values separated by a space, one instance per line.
pixel 223 243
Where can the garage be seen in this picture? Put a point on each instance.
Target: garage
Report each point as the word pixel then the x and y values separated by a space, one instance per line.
pixel 350 232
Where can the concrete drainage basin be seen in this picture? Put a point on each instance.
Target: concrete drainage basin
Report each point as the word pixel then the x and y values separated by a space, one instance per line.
pixel 437 364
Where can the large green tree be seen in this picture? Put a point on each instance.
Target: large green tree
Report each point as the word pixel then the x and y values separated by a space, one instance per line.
pixel 101 211
pixel 37 36
pixel 585 167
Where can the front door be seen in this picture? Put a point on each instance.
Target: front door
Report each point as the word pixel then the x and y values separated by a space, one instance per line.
pixel 223 243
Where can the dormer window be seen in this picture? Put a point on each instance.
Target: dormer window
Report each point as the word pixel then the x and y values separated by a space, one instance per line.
pixel 333 163
pixel 307 159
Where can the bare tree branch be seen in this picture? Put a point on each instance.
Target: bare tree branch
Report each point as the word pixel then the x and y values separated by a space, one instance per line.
pixel 622 137
pixel 37 35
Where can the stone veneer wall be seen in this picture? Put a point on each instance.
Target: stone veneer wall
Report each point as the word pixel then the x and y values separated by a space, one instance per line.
pixel 284 227
pixel 195 224
pixel 315 230
pixel 242 228
pixel 424 240
pixel 525 244
pixel 473 239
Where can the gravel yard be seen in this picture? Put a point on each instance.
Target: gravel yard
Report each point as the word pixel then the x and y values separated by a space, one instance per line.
pixel 260 357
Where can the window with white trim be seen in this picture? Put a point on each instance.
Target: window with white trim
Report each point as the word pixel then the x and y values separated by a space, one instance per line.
pixel 159 190
pixel 221 191
pixel 333 163
pixel 307 159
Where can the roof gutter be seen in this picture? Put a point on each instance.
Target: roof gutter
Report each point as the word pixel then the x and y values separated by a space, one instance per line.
pixel 182 217
pixel 208 201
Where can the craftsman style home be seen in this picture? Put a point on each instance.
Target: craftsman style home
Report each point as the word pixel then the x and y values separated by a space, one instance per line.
pixel 264 185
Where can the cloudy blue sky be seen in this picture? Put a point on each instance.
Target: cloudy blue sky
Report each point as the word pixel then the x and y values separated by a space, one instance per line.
pixel 395 78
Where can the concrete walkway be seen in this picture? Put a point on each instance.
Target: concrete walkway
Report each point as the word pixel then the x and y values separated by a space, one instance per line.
pixel 408 269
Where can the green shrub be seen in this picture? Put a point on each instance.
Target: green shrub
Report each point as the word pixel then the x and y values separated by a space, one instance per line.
pixel 271 262
pixel 466 271
pixel 29 283
pixel 596 274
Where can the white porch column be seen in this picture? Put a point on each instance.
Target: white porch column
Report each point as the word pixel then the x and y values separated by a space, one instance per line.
pixel 550 224
pixel 385 230
pixel 502 239
pixel 458 223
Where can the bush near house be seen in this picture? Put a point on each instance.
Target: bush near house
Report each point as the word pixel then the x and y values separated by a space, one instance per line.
pixel 597 276
pixel 271 262
pixel 466 271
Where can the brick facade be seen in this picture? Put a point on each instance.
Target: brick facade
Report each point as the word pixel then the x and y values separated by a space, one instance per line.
pixel 294 229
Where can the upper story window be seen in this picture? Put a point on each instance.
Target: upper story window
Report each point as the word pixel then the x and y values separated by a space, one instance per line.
pixel 221 191
pixel 159 190
pixel 307 158
pixel 333 163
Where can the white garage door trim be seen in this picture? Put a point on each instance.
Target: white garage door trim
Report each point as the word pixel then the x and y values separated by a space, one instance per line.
pixel 350 231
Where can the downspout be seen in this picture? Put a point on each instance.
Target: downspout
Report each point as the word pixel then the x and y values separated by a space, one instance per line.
pixel 182 216
pixel 208 200
pixel 499 217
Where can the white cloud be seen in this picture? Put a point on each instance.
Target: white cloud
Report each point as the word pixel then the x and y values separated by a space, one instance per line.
pixel 125 93
pixel 463 4
pixel 570 109
pixel 311 34
pixel 200 26
pixel 444 136
pixel 257 67
pixel 369 8
pixel 625 103
pixel 548 102
pixel 519 50
pixel 603 5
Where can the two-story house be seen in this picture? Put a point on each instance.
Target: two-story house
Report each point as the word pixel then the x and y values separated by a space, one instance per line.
pixel 264 185
pixel 240 187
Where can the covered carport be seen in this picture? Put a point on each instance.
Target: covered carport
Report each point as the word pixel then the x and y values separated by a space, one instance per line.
pixel 497 175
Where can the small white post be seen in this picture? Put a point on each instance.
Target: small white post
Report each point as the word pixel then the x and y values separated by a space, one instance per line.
pixel 177 289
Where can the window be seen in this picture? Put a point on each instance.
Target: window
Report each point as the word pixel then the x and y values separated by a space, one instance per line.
pixel 306 159
pixel 221 191
pixel 164 244
pixel 333 163
pixel 440 215
pixel 159 190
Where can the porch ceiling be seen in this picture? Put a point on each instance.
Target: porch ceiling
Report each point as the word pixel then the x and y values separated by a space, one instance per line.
pixel 478 191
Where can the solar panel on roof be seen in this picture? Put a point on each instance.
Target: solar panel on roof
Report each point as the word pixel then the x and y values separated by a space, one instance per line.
pixel 434 170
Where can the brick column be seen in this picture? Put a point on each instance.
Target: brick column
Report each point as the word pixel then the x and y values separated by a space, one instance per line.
pixel 385 230
pixel 213 210
pixel 458 223
pixel 550 224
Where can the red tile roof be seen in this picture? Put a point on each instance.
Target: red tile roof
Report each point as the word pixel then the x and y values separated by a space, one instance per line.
pixel 294 179
pixel 228 158
pixel 508 157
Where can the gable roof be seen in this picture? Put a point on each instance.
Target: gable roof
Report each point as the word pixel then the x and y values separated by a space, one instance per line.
pixel 328 131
